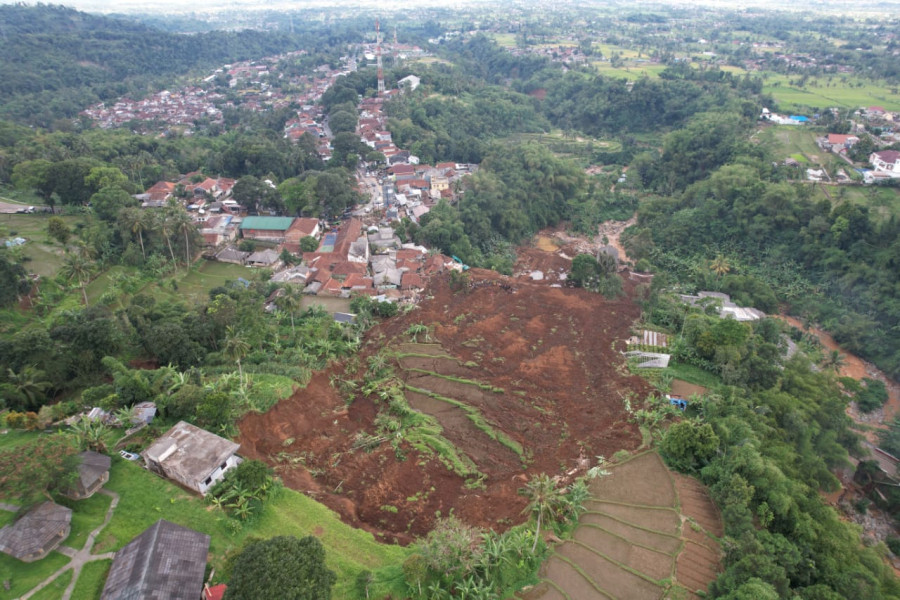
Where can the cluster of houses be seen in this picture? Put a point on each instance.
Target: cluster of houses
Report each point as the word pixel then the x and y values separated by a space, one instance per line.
pixel 182 107
pixel 166 560
pixel 251 80
pixel 350 260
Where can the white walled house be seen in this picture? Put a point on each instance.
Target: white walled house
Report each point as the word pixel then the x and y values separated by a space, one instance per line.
pixel 193 457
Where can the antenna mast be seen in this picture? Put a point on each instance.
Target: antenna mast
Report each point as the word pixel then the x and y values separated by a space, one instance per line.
pixel 378 58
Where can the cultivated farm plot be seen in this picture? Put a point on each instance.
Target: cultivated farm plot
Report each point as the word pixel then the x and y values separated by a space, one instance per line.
pixel 647 534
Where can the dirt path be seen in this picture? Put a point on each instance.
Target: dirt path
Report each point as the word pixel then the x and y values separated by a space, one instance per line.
pixel 613 231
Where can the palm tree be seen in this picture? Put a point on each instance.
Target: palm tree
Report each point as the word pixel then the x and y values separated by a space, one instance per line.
pixel 29 384
pixel 136 220
pixel 236 348
pixel 289 302
pixel 183 223
pixel 165 226
pixel 720 265
pixel 76 267
pixel 544 500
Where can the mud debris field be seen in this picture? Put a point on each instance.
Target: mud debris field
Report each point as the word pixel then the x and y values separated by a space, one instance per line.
pixel 539 366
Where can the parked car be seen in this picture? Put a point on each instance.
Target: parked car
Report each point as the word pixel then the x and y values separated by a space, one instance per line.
pixel 129 455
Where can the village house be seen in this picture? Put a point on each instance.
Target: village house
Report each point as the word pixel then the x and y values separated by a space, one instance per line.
pixel 93 472
pixel 299 229
pixel 265 258
pixel 191 456
pixel 37 533
pixel 266 229
pixel 886 161
pixel 841 142
pixel 165 561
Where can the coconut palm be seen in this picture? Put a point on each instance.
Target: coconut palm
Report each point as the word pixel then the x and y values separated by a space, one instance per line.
pixel 76 267
pixel 29 384
pixel 135 220
pixel 289 302
pixel 545 500
pixel 720 265
pixel 166 227
pixel 236 348
pixel 183 223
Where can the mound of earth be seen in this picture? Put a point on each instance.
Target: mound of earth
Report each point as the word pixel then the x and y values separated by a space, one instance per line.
pixel 647 534
pixel 521 376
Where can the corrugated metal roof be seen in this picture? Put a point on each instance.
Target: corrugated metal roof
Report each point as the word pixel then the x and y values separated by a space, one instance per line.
pixel 271 223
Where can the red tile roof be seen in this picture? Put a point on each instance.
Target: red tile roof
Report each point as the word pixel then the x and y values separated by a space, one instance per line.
pixel 409 254
pixel 411 281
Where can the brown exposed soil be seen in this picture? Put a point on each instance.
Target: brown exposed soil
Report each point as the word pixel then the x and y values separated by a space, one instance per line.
pixel 857 368
pixel 555 385
pixel 683 389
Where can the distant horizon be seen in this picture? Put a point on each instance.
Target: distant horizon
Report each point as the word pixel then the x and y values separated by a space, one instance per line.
pixel 210 7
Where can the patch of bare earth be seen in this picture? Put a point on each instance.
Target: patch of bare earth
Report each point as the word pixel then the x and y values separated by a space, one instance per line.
pixel 559 387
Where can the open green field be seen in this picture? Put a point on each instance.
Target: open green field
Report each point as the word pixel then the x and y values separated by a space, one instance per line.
pixel 881 201
pixel 630 71
pixel 193 286
pixel 824 92
pixel 45 256
pixel 573 146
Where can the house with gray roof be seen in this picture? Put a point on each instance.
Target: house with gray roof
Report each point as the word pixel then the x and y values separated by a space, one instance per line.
pixel 193 457
pixel 264 258
pixel 93 472
pixel 165 562
pixel 37 533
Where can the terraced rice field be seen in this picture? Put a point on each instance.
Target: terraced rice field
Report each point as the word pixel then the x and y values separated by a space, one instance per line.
pixel 647 534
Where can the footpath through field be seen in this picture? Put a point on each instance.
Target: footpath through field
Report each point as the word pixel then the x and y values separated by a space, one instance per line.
pixel 646 532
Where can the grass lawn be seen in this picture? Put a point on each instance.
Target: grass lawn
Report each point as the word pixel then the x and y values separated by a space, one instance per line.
pixel 506 40
pixel 693 374
pixel 91 580
pixel 46 256
pixel 145 498
pixel 87 514
pixel 819 92
pixel 630 71
pixel 24 576
pixel 55 590
pixel 882 201
pixel 194 286
pixel 15 437
pixel 6 517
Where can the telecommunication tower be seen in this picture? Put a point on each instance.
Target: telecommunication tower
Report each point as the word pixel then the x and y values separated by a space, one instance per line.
pixel 378 58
